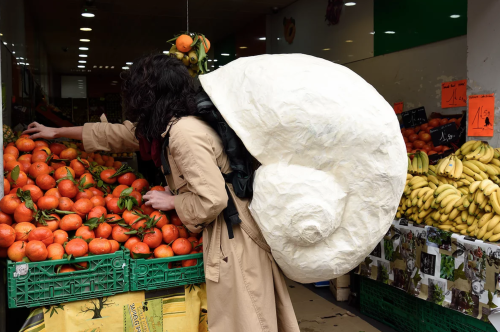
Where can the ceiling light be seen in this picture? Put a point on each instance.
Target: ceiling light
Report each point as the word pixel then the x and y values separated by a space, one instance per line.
pixel 83 48
pixel 88 15
pixel 262 38
pixel 12 44
pixel 243 47
pixel 349 4
pixel 114 81
pixel 17 58
pixel 372 33
pixel 85 29
pixel 128 63
pixel 326 49
pixel 27 64
pixel 112 67
pixel 224 54
pixel 390 32
pixel 95 66
pixel 21 58
pixel 80 80
pixel 166 52
pixel 13 52
pixel 5 43
pixel 21 63
pixel 85 40
pixel 82 61
pixel 278 38
pixel 213 66
pixel 348 41
pixel 81 66
pixel 82 55
pixel 125 68
pixel 209 60
pixel 455 16
pixel 216 60
pixel 1 34
pixel 100 66
pixel 80 87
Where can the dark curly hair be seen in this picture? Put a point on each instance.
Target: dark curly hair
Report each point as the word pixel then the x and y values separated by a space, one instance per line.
pixel 156 89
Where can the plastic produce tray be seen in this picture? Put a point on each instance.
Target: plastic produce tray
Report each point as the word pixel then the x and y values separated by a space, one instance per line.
pixel 151 274
pixel 37 283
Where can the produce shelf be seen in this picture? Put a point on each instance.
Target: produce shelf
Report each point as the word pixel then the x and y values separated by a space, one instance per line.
pixel 160 273
pixel 38 283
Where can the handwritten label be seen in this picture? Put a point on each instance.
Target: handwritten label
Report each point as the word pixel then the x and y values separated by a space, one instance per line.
pixel 444 135
pixel 454 94
pixel 415 117
pixel 481 115
pixel 398 108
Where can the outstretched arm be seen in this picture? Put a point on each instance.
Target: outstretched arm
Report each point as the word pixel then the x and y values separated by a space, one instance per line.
pixel 36 130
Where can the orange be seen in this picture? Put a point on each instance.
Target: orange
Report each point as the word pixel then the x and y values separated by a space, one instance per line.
pixel 84 264
pixel 67 188
pixel 53 192
pixel 205 42
pixel 153 240
pixel 77 248
pixel 127 179
pixel 53 224
pixel 103 230
pixel 30 182
pixel 96 192
pixel 163 251
pixel 23 230
pixel 105 158
pixel 99 246
pixel 23 214
pixel 131 242
pixel 112 206
pixel 140 248
pixel 174 219
pixel 36 193
pixel 5 219
pixel 117 164
pixel 182 246
pixel 183 232
pixel 129 217
pixel 9 203
pixel 170 233
pixel 190 262
pixel 82 207
pixel 138 224
pixel 69 154
pixel 25 166
pixel 6 186
pixel 48 203
pixel 25 144
pixel 115 246
pixel 85 232
pixel 98 201
pixel 43 234
pixel 111 217
pixel 57 148
pixel 65 204
pixel 55 251
pixel 63 172
pixel 11 164
pixel 140 185
pixel 183 43
pixel 79 167
pixel 21 180
pixel 97 212
pixel 163 220
pixel 83 154
pixel 67 269
pixel 138 197
pixel 25 157
pixel 86 193
pixel 158 188
pixel 45 182
pixel 88 179
pixel 41 144
pixel 118 190
pixel 17 251
pixel 193 241
pixel 8 157
pixel 58 165
pixel 147 209
pixel 42 148
pixel 36 251
pixel 11 150
pixel 108 198
pixel 60 236
pixel 7 235
pixel 70 222
pixel 106 174
pixel 119 235
pixel 39 156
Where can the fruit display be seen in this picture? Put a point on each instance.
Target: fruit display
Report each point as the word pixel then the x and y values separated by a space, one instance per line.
pixel 419 138
pixel 191 49
pixel 61 203
pixel 460 194
pixel 8 135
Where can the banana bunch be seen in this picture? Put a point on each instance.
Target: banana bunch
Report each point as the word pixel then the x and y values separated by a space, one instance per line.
pixel 450 167
pixel 419 164
pixel 478 150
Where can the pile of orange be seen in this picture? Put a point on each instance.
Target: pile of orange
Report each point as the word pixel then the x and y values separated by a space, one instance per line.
pixel 53 209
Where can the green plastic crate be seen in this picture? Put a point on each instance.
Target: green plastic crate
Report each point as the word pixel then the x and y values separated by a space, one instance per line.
pixel 151 274
pixel 439 319
pixel 37 283
pixel 390 306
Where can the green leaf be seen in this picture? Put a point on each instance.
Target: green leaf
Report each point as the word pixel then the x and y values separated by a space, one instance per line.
pixel 490 301
pixel 195 40
pixel 92 223
pixel 126 192
pixel 139 256
pixel 70 257
pixel 15 173
pixel 130 205
pixel 26 260
pixel 131 232
pixel 100 183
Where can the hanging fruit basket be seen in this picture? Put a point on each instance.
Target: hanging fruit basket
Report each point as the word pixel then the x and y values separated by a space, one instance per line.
pixel 191 48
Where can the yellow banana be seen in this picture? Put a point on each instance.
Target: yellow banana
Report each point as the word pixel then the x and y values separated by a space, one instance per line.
pixel 454 213
pixel 445 193
pixel 449 198
pixel 484 184
pixel 484 219
pixel 471 166
pixel 494 202
pixel 493 222
pixel 490 189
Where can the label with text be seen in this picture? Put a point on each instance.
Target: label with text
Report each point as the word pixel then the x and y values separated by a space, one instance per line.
pixel 415 117
pixel 444 135
pixel 481 115
pixel 454 94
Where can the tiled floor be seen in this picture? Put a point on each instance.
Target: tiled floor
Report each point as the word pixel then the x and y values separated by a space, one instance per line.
pixel 317 311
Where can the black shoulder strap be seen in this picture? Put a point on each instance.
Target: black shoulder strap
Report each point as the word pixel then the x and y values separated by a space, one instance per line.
pixel 164 163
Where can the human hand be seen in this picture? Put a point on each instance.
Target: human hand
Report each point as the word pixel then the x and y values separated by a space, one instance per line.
pixel 160 200
pixel 36 130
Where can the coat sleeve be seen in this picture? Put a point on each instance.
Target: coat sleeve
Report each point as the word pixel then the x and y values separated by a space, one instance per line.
pixel 206 195
pixel 113 137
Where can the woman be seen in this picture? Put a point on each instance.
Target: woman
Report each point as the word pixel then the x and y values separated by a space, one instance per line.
pixel 245 288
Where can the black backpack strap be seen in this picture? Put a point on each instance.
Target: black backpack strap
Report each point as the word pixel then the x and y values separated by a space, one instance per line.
pixel 231 215
pixel 164 163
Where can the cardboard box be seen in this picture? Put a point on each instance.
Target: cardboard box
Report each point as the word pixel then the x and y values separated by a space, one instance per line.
pixel 342 282
pixel 340 294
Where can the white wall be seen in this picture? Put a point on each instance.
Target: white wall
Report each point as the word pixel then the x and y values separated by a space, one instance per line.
pixel 414 76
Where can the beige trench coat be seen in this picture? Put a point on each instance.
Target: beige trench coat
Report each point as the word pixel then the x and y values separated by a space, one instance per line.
pixel 245 288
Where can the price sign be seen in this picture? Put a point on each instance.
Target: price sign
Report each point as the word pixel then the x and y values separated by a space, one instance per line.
pixel 454 94
pixel 398 108
pixel 481 115
pixel 415 117
pixel 444 135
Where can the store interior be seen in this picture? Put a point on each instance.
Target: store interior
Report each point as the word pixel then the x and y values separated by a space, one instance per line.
pixel 62 60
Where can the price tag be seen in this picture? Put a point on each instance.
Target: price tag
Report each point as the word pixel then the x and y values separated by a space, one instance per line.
pixel 444 135
pixel 398 108
pixel 454 94
pixel 481 115
pixel 415 117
